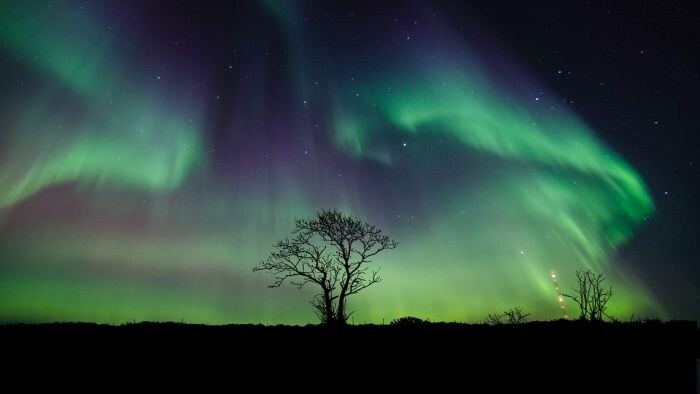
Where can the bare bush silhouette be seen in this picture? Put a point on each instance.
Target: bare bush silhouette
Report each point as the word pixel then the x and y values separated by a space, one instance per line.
pixel 510 316
pixel 591 297
pixel 494 319
pixel 332 251
pixel 515 316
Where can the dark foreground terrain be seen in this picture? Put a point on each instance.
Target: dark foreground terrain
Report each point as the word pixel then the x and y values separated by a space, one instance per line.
pixel 558 356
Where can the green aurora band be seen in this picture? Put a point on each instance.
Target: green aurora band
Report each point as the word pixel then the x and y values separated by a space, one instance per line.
pixel 108 212
pixel 121 138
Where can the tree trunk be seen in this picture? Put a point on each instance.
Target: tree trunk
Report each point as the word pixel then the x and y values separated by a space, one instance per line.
pixel 329 308
pixel 340 313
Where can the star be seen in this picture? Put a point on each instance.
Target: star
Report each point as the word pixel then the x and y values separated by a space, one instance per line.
pixel 404 144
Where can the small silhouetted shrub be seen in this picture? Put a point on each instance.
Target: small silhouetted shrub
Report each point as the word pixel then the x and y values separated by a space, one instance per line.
pixel 407 321
pixel 510 316
pixel 515 316
pixel 494 319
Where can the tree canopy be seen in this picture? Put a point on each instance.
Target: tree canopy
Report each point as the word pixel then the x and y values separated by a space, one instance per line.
pixel 333 251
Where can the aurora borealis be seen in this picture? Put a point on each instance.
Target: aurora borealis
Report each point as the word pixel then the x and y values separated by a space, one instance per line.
pixel 150 154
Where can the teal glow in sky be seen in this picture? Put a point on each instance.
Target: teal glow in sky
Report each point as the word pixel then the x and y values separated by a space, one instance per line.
pixel 145 169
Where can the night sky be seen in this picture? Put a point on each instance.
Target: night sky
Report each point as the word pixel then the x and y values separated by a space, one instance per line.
pixel 152 152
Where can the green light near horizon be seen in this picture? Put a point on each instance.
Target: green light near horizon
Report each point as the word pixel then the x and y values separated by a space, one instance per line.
pixel 554 190
pixel 123 197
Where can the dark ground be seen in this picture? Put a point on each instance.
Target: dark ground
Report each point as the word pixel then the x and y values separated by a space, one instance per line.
pixel 558 356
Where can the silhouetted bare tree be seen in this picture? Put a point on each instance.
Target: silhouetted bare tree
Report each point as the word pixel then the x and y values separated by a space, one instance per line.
pixel 332 251
pixel 592 298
